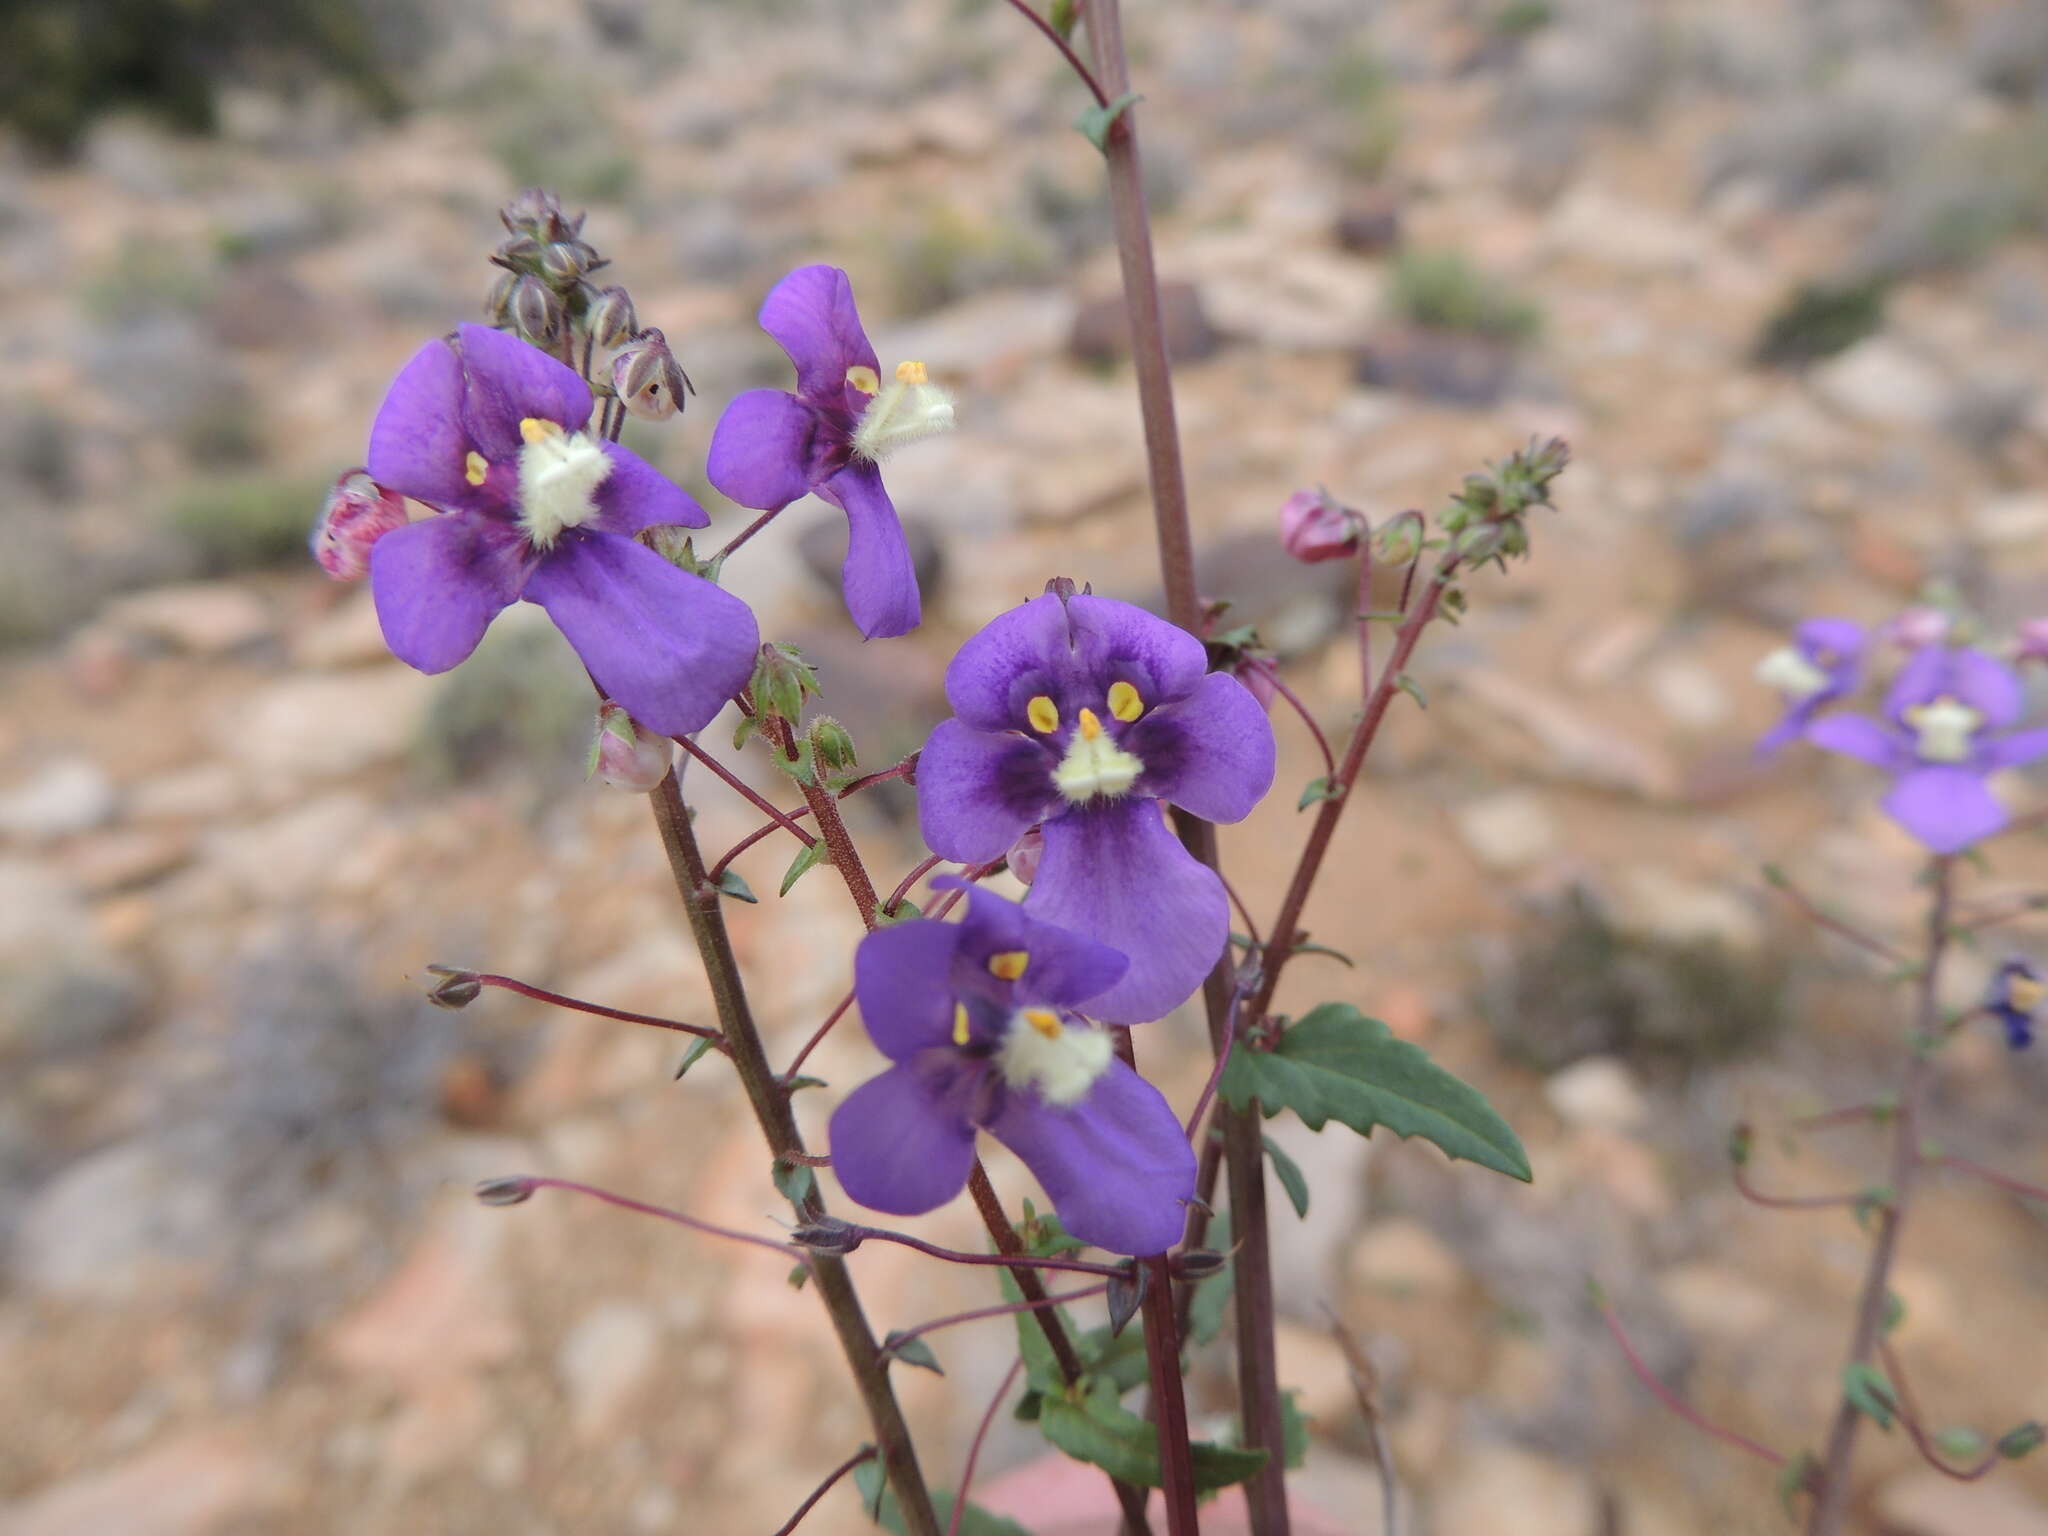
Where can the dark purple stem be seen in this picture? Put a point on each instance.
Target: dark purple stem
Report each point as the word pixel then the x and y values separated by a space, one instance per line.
pixel 818 1034
pixel 1992 1176
pixel 1009 1308
pixel 1308 719
pixel 1073 59
pixel 974 1447
pixel 1169 1402
pixel 746 791
pixel 529 1183
pixel 865 1453
pixel 1908 1413
pixel 596 1010
pixel 1011 1262
pixel 745 534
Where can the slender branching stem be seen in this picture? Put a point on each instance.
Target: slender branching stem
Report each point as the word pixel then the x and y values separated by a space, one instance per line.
pixel 1831 1504
pixel 746 791
pixel 865 1454
pixel 988 1418
pixel 895 1342
pixel 1308 719
pixel 506 1191
pixel 924 867
pixel 1674 1402
pixel 1169 1402
pixel 1991 1176
pixel 854 1235
pixel 578 1005
pixel 1052 35
pixel 745 534
pixel 770 1101
pixel 1813 912
pixel 1755 1196
pixel 824 1029
pixel 1908 1412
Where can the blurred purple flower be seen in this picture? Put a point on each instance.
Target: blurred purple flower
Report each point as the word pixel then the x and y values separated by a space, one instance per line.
pixel 1823 663
pixel 2015 999
pixel 978 1018
pixel 772 447
pixel 1917 628
pixel 1945 730
pixel 1088 715
pixel 2033 644
pixel 492 433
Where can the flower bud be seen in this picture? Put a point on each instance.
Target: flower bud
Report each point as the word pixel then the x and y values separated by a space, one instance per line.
pixel 833 745
pixel 537 210
pixel 563 261
pixel 358 513
pixel 456 989
pixel 535 310
pixel 498 301
pixel 512 1190
pixel 1917 628
pixel 610 316
pixel 781 679
pixel 828 1235
pixel 648 378
pixel 2033 640
pixel 626 755
pixel 1025 853
pixel 1314 527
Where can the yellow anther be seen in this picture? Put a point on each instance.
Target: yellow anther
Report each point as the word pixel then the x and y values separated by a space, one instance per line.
pixel 1124 702
pixel 1008 965
pixel 537 429
pixel 1045 1021
pixel 960 1030
pixel 2025 993
pixel 475 468
pixel 1043 714
pixel 863 378
pixel 912 373
pixel 1091 727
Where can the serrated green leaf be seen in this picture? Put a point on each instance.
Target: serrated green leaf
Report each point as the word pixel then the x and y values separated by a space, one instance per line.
pixel 730 884
pixel 1318 789
pixel 1100 1430
pixel 693 1055
pixel 808 858
pixel 1096 122
pixel 744 731
pixel 1336 1064
pixel 913 1352
pixel 1863 1384
pixel 796 1181
pixel 1289 1174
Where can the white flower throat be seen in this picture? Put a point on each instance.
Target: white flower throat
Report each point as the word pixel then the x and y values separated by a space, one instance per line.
pixel 1943 730
pixel 559 473
pixel 912 407
pixel 1060 1061
pixel 1792 674
pixel 1093 763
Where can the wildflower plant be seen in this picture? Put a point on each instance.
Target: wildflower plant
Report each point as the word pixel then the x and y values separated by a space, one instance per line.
pixel 1092 749
pixel 1949 722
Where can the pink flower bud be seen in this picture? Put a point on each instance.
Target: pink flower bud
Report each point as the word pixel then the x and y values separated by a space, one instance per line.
pixel 626 755
pixel 2033 640
pixel 1315 527
pixel 1918 628
pixel 358 513
pixel 1025 853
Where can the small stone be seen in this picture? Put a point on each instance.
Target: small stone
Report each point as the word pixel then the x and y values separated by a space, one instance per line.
pixel 1451 366
pixel 1924 1503
pixel 2012 521
pixel 187 1486
pixel 348 636
pixel 1102 330
pixel 1680 911
pixel 1510 831
pixel 1500 1490
pixel 609 1354
pixel 63 796
pixel 1405 1258
pixel 323 727
pixel 1880 381
pixel 208 618
pixel 119 1225
pixel 1718 1303
pixel 1690 696
pixel 1600 1093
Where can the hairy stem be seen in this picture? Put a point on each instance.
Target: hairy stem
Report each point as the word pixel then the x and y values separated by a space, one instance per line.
pixel 1831 1507
pixel 770 1101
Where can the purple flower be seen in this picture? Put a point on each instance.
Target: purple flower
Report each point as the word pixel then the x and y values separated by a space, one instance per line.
pixel 1944 731
pixel 978 1018
pixel 1823 662
pixel 772 447
pixel 1085 714
pixel 2015 1000
pixel 492 433
pixel 358 513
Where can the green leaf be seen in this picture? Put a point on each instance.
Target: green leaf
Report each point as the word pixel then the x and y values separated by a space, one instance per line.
pixel 796 1083
pixel 903 912
pixel 1959 1443
pixel 2021 1440
pixel 1336 1064
pixel 1863 1384
pixel 1303 947
pixel 873 1484
pixel 974 1520
pixel 1797 1476
pixel 800 1277
pixel 912 1352
pixel 796 1181
pixel 807 859
pixel 1894 1311
pixel 1289 1174
pixel 1096 122
pixel 730 884
pixel 1413 689
pixel 1293 1428
pixel 1318 789
pixel 693 1055
pixel 1100 1430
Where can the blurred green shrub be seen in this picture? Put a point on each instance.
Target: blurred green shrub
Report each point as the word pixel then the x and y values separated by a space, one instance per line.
pixel 245 523
pixel 1361 89
pixel 1441 290
pixel 521 696
pixel 550 128
pixel 1818 320
pixel 942 253
pixel 64 62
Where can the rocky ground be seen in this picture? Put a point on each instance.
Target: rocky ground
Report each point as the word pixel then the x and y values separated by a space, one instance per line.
pixel 245 1288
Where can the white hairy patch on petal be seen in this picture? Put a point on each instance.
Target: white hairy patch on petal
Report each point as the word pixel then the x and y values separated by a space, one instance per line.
pixel 1095 765
pixel 1944 729
pixel 1786 670
pixel 911 407
pixel 559 473
pixel 1061 1062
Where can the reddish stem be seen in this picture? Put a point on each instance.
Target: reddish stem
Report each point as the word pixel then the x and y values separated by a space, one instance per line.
pixel 1007 1309
pixel 865 1453
pixel 903 887
pixel 1169 1402
pixel 533 1182
pixel 745 791
pixel 1756 1196
pixel 824 1029
pixel 1677 1404
pixel 1307 719
pixel 2004 1181
pixel 1811 910
pixel 1073 59
pixel 974 1446
pixel 596 1010
pixel 1011 1262
pixel 1909 1415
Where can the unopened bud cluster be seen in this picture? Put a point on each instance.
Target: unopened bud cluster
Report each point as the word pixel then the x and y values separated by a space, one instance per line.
pixel 1485 519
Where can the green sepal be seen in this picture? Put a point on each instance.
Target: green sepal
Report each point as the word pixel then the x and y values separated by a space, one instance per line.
pixel 1866 1390
pixel 1096 122
pixel 796 1181
pixel 1796 1477
pixel 808 858
pixel 693 1055
pixel 731 884
pixel 1318 789
pixel 912 1352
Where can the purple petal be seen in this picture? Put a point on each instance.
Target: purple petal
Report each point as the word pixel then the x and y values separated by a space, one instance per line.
pixel 505 380
pixel 1072 652
pixel 1211 752
pixel 1946 807
pixel 811 314
pixel 669 646
pixel 1923 678
pixel 898 1145
pixel 978 790
pixel 1987 685
pixel 1861 737
pixel 1064 968
pixel 878 578
pixel 1116 1165
pixel 1120 875
pixel 438 583
pixel 636 495
pixel 765 450
pixel 1839 639
pixel 903 981
pixel 2014 750
pixel 417 444
pixel 1790 727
